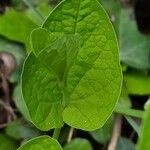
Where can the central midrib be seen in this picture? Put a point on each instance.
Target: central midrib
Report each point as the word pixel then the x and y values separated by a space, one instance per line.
pixel 76 19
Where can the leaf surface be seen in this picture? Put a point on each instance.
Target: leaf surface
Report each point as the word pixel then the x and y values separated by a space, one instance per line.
pixel 41 143
pixel 96 70
pixel 78 144
pixel 42 94
pixel 92 83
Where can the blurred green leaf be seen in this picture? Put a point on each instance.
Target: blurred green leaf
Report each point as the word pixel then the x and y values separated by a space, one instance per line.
pixel 134 46
pixel 16 26
pixel 20 129
pixel 137 83
pixel 78 144
pixel 7 143
pixel 125 144
pixel 43 7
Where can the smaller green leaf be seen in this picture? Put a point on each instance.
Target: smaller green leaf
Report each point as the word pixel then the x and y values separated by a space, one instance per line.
pixel 78 144
pixel 61 54
pixel 7 143
pixel 41 143
pixel 37 42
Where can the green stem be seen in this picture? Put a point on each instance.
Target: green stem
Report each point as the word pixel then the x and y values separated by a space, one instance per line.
pixel 38 14
pixel 56 133
pixel 129 112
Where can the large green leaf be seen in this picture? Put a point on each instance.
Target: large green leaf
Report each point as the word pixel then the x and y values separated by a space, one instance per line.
pixel 42 94
pixel 17 26
pixel 92 84
pixel 96 70
pixel 144 143
pixel 78 144
pixel 41 143
pixel 7 143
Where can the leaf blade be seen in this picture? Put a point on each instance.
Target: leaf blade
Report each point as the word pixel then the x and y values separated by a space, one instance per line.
pixel 43 100
pixel 42 143
pixel 97 36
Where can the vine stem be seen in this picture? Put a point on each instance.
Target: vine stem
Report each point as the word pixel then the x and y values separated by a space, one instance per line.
pixel 38 14
pixel 116 132
pixel 70 135
pixel 56 133
pixel 129 111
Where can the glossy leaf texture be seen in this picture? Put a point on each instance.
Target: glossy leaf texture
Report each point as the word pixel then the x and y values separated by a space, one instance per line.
pixel 91 83
pixel 78 144
pixel 41 143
